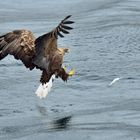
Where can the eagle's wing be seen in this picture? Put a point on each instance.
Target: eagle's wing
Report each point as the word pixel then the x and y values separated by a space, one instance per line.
pixel 20 44
pixel 53 35
pixel 47 43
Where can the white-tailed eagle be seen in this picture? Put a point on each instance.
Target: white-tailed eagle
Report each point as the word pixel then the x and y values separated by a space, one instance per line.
pixel 41 53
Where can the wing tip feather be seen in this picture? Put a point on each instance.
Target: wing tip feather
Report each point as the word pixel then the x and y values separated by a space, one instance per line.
pixel 64 26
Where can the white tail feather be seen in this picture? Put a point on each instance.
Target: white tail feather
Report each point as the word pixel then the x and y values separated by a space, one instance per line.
pixel 44 89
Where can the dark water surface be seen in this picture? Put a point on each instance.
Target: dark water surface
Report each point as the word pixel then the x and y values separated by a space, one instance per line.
pixel 105 44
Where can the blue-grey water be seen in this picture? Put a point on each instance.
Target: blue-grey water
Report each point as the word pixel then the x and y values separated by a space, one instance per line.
pixel 105 44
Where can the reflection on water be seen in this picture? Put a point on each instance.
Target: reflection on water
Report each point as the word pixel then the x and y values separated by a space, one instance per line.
pixel 56 123
pixel 42 110
pixel 62 123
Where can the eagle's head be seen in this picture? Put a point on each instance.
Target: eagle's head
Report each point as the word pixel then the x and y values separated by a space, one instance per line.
pixel 63 50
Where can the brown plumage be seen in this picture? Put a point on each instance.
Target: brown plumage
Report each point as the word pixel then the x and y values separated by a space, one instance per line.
pixel 41 52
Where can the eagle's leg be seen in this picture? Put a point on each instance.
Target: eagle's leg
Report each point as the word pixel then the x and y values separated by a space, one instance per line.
pixel 44 77
pixel 62 74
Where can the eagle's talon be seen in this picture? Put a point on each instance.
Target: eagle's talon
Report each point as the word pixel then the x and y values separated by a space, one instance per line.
pixel 72 72
pixel 65 68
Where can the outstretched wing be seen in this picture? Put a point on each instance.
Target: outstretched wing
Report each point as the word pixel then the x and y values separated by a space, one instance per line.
pixel 47 43
pixel 20 44
pixel 63 27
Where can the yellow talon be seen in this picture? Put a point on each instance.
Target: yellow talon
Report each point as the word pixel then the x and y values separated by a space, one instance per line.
pixel 65 68
pixel 72 72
